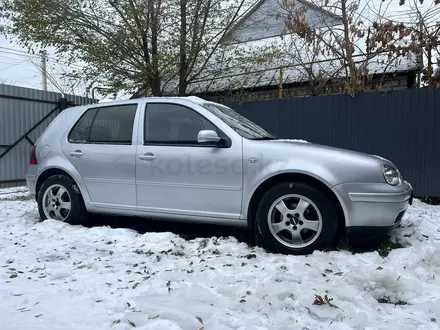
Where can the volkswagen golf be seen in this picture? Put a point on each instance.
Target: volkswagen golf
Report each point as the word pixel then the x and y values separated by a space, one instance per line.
pixel 187 159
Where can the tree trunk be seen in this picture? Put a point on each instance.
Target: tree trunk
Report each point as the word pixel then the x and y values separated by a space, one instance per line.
pixel 183 39
pixel 429 51
pixel 348 46
pixel 154 25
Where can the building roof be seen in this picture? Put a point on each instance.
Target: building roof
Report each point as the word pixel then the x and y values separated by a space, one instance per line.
pixel 294 55
pixel 266 19
pixel 270 76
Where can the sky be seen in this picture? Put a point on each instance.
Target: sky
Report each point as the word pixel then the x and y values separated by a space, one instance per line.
pixel 21 69
pixel 16 68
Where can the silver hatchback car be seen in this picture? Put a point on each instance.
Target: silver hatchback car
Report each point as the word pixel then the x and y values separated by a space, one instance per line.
pixel 188 159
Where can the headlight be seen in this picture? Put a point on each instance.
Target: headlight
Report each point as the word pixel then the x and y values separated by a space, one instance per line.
pixel 391 175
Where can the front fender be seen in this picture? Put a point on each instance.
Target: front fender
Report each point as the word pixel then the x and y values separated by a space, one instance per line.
pixel 266 171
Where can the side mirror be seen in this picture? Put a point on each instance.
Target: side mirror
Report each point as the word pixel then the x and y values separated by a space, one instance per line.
pixel 208 136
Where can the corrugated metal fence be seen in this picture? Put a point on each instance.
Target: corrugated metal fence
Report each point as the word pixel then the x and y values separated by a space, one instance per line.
pixel 399 125
pixel 20 109
pixel 402 126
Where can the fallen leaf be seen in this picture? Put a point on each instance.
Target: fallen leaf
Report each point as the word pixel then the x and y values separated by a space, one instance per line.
pixel 38 315
pixel 115 322
pixel 131 323
pixel 318 300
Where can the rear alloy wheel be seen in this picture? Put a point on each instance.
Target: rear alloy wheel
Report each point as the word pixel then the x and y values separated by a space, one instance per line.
pixel 296 218
pixel 59 199
pixel 56 203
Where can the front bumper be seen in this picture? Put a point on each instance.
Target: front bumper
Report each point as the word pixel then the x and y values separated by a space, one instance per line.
pixel 373 209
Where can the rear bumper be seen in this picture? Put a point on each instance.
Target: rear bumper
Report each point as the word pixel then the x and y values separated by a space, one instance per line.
pixel 31 179
pixel 30 183
pixel 372 210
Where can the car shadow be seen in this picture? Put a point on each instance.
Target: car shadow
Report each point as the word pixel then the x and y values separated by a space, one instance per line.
pixel 189 231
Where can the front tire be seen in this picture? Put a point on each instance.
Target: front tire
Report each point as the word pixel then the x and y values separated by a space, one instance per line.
pixel 60 199
pixel 296 218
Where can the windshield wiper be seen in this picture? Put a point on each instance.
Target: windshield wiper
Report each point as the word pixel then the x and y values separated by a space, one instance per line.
pixel 265 138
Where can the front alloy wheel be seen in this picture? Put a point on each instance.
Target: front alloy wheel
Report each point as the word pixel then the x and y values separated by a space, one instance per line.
pixel 295 221
pixel 297 218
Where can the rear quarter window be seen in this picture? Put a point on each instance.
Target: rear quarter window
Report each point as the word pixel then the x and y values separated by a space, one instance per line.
pixel 80 131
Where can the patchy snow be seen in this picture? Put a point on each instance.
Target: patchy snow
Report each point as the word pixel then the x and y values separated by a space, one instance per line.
pixel 14 192
pixel 239 74
pixel 57 276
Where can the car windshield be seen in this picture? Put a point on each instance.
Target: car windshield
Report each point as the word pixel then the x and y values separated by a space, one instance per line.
pixel 243 126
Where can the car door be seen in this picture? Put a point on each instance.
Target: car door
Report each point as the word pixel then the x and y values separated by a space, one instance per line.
pixel 176 174
pixel 101 149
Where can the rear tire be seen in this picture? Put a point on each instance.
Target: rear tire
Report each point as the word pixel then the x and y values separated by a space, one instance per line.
pixel 59 198
pixel 296 218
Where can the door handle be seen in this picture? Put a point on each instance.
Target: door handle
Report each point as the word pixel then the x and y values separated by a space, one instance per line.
pixel 147 156
pixel 76 153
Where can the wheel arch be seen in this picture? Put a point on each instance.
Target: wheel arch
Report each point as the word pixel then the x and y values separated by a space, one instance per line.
pixel 296 177
pixel 49 172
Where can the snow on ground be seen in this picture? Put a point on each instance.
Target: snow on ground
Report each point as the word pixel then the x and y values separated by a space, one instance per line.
pixel 13 193
pixel 57 276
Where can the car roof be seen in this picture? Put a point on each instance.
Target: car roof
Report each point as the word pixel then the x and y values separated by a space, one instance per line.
pixel 193 99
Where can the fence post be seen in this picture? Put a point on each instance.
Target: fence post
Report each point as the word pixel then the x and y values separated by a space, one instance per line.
pixel 281 84
pixel 63 104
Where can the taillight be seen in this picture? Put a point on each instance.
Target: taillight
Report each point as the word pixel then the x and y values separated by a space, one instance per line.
pixel 33 160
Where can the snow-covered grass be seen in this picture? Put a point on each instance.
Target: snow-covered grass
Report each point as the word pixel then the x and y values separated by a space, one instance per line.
pixel 14 193
pixel 57 276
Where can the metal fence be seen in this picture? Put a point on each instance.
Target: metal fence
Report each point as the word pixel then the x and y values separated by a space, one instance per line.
pixel 398 125
pixel 22 109
pixel 402 126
